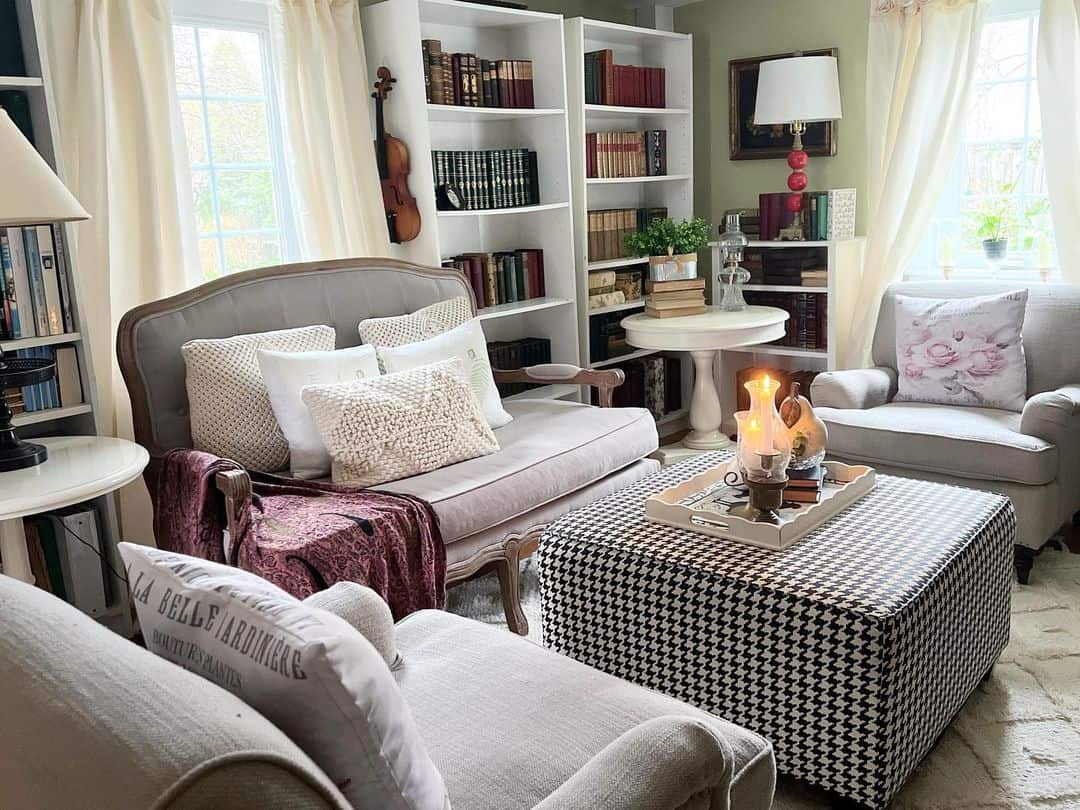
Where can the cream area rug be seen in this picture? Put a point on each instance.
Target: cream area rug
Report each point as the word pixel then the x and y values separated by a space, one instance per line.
pixel 1015 743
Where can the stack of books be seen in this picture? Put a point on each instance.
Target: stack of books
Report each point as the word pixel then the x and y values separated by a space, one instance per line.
pixel 671 299
pixel 64 389
pixel 626 154
pixel 467 81
pixel 35 296
pixel 652 382
pixel 804 486
pixel 749 221
pixel 514 354
pixel 623 85
pixel 607 227
pixel 495 178
pixel 807 328
pixel 826 215
pixel 792 265
pixel 502 277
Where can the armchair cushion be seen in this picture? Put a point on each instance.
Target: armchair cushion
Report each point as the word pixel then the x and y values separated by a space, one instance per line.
pixel 859 388
pixel 365 610
pixel 981 443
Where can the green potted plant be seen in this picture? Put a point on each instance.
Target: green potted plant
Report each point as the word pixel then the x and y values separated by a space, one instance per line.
pixel 992 220
pixel 671 247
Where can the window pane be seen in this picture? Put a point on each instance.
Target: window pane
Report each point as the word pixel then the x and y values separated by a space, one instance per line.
pixel 232 62
pixel 238 131
pixel 1036 181
pixel 246 199
pixel 194 134
pixel 1004 51
pixel 245 252
pixel 998 112
pixel 990 218
pixel 992 168
pixel 1034 112
pixel 187 70
pixel 1036 222
pixel 204 203
pixel 209 258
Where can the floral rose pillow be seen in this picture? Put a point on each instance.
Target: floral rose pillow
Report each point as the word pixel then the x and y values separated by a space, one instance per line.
pixel 965 351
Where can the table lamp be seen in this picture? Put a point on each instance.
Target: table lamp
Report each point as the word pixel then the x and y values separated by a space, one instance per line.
pixel 30 194
pixel 797 91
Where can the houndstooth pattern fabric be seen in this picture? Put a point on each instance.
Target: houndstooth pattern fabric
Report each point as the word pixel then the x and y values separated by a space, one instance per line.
pixel 851 651
pixel 385 428
pixel 231 416
pixel 420 325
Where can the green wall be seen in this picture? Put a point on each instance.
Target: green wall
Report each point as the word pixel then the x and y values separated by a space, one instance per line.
pixel 736 29
pixel 593 9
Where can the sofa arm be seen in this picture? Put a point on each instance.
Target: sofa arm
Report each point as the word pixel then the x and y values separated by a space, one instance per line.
pixel 604 380
pixel 365 610
pixel 235 487
pixel 857 389
pixel 1052 414
pixel 660 764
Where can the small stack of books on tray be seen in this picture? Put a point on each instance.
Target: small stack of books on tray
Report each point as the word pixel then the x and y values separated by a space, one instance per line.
pixel 502 277
pixel 622 85
pixel 626 154
pixel 672 299
pixel 804 486
pixel 464 80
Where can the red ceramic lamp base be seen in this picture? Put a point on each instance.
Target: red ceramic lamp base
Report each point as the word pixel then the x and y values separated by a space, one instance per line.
pixel 797 180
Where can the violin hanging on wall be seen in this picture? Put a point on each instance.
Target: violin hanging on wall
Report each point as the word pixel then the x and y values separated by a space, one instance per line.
pixel 402 215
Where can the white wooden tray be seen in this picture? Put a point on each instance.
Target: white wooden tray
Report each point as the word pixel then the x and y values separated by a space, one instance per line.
pixel 700 504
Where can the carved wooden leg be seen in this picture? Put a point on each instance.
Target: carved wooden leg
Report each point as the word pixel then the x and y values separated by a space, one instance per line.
pixel 509 571
pixel 1023 560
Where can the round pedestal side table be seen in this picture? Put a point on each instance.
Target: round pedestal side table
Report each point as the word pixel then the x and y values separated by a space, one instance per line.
pixel 704 336
pixel 79 468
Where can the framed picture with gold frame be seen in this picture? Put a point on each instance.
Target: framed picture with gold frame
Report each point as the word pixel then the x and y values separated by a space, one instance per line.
pixel 751 142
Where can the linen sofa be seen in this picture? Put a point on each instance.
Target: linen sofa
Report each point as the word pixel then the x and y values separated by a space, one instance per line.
pixel 1032 456
pixel 91 720
pixel 554 456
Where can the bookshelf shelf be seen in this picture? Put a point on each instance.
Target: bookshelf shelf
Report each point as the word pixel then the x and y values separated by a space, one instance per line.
pixel 674 416
pixel 622 358
pixel 546 392
pixel 795 288
pixel 758 243
pixel 663 178
pixel 635 304
pixel 51 414
pixel 610 110
pixel 520 307
pixel 494 212
pixel 780 351
pixel 452 112
pixel 20 82
pixel 50 340
pixel 611 264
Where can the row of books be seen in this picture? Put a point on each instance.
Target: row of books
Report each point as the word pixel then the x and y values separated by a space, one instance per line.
pixel 64 566
pixel 493 178
pixel 34 288
pixel 807 328
pixel 609 288
pixel 826 215
pixel 465 80
pixel 607 338
pixel 502 277
pixel 795 266
pixel 673 299
pixel 608 226
pixel 653 383
pixel 64 389
pixel 626 154
pixel 512 354
pixel 623 85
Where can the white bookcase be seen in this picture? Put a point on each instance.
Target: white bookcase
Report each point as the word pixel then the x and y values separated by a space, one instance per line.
pixel 842 258
pixel 76 419
pixel 393 30
pixel 674 191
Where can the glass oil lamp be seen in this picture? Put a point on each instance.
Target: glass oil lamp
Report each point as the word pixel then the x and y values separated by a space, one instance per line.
pixel 732 275
pixel 764 452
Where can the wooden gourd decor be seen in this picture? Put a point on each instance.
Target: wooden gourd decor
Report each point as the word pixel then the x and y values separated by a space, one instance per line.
pixel 402 214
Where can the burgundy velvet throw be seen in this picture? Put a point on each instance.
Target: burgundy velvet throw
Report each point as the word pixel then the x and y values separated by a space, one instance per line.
pixel 304 536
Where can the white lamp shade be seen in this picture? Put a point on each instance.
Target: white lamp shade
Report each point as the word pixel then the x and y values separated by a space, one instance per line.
pixel 30 191
pixel 800 88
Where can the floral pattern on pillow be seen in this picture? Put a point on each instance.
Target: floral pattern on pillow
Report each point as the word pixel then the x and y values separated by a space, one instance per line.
pixel 964 351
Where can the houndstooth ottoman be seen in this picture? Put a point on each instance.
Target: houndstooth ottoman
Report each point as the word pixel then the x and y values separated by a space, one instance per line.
pixel 851 651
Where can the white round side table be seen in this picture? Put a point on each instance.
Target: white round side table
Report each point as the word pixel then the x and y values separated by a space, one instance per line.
pixel 79 468
pixel 704 336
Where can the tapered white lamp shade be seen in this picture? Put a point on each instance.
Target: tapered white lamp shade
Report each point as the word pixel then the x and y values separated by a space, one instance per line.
pixel 30 191
pixel 800 88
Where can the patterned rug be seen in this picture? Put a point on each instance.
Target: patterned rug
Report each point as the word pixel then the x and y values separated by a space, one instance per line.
pixel 1016 742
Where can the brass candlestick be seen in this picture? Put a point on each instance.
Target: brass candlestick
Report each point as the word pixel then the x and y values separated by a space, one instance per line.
pixel 766 491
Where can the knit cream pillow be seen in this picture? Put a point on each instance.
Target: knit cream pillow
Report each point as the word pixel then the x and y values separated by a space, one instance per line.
pixel 230 408
pixel 398 425
pixel 420 325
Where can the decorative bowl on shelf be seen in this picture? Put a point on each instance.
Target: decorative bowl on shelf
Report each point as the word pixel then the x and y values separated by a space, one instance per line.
pixel 15 372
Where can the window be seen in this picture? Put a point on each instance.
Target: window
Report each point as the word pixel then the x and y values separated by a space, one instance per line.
pixel 224 86
pixel 997 186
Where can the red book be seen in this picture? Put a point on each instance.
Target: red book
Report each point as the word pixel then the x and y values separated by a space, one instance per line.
pixel 535 285
pixel 764 223
pixel 607 73
pixel 541 285
pixel 639 87
pixel 455 66
pixel 662 84
pixel 786 217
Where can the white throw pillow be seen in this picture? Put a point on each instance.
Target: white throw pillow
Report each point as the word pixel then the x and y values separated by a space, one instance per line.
pixel 420 325
pixel 963 351
pixel 308 671
pixel 465 342
pixel 400 425
pixel 230 409
pixel 286 373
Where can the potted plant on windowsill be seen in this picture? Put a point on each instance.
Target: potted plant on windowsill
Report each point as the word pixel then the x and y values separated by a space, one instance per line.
pixel 671 247
pixel 992 225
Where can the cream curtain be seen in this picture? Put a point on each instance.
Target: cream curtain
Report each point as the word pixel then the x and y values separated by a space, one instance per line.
pixel 921 59
pixel 322 82
pixel 1058 54
pixel 123 155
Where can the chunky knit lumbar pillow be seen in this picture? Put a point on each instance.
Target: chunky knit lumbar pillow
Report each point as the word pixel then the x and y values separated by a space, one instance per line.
pixel 307 671
pixel 399 425
pixel 420 325
pixel 231 415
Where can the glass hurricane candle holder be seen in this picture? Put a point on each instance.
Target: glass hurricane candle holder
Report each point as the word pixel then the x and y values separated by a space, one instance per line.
pixel 764 446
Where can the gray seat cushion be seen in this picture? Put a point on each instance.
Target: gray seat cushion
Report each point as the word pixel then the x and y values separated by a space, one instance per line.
pixel 507 722
pixel 549 450
pixel 981 443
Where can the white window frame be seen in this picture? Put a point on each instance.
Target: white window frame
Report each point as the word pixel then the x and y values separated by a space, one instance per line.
pixel 251 16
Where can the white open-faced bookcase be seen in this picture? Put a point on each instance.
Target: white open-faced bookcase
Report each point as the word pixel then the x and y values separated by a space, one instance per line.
pixel 674 191
pixel 393 30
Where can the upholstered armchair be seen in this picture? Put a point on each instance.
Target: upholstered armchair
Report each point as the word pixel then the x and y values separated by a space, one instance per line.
pixel 1032 456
